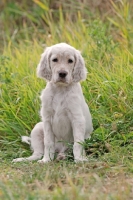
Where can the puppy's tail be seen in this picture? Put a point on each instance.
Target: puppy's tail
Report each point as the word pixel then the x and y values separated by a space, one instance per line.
pixel 26 139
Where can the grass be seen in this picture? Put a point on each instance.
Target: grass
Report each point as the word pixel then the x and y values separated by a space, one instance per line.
pixel 93 180
pixel 107 49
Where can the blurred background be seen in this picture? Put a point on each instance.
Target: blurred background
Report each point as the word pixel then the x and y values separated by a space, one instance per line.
pixel 51 21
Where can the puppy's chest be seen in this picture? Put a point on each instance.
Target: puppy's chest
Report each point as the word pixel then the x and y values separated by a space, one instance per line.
pixel 60 118
pixel 60 102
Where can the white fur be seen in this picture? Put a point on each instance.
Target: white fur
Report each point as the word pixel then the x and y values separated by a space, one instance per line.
pixel 65 115
pixel 26 139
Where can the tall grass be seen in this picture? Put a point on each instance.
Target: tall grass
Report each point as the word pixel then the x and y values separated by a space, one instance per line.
pixel 106 46
pixel 108 89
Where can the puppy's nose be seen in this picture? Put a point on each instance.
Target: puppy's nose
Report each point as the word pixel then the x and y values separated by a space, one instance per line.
pixel 62 74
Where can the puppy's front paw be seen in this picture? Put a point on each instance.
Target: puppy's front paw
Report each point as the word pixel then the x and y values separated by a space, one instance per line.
pixel 44 161
pixel 81 159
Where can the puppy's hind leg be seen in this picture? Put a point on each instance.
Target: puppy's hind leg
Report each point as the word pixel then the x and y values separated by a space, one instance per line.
pixel 37 144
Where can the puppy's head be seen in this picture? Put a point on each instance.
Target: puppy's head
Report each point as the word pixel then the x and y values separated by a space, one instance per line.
pixel 62 64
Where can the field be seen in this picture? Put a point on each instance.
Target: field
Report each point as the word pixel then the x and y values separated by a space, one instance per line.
pixel 106 42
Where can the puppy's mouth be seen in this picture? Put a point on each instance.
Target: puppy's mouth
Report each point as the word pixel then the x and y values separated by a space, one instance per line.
pixel 62 81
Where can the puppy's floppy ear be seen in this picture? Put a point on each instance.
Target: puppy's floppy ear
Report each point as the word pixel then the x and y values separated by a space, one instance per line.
pixel 43 68
pixel 80 71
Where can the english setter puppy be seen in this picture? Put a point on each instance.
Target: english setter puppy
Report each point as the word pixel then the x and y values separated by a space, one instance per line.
pixel 65 115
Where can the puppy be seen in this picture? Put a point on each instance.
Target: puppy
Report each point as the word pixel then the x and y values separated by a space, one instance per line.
pixel 65 115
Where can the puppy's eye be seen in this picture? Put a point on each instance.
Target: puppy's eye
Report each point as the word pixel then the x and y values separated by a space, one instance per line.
pixel 55 60
pixel 70 61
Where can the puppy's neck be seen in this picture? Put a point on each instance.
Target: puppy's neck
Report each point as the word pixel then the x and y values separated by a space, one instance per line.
pixel 63 86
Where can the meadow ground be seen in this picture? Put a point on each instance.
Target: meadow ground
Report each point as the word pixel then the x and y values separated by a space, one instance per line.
pixel 106 43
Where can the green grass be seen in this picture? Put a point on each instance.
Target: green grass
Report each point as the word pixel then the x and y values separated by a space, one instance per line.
pixel 107 49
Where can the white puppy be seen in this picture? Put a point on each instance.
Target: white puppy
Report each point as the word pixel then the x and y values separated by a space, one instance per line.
pixel 65 115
